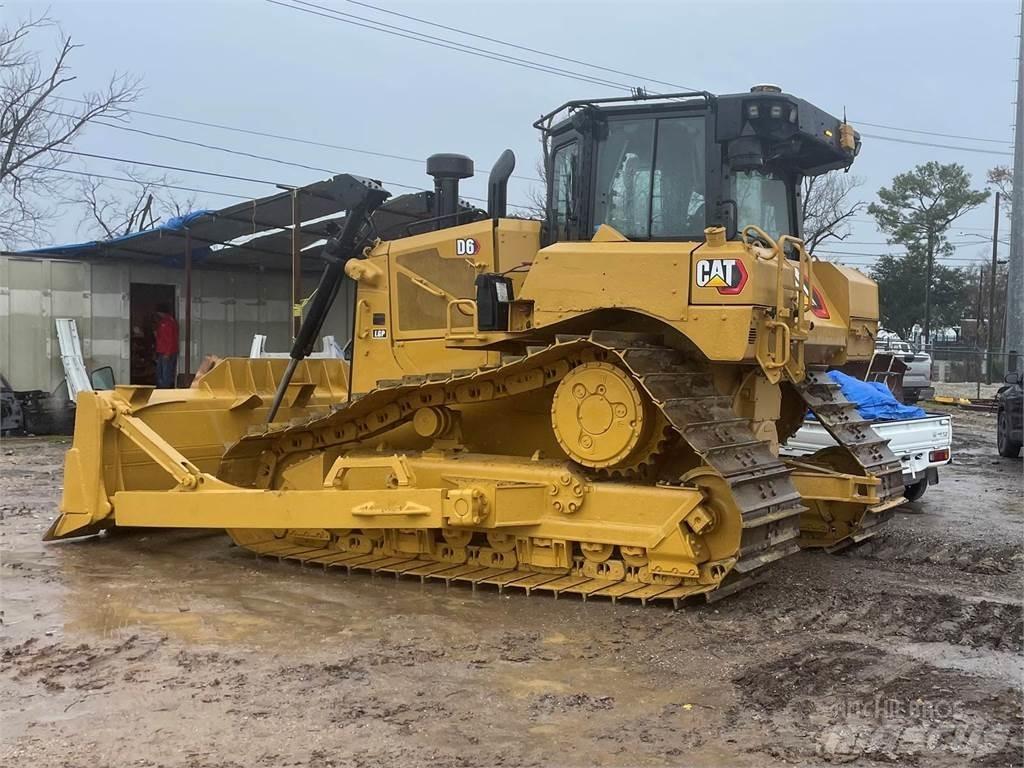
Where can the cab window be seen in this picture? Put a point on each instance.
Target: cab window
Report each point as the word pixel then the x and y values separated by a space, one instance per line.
pixel 563 168
pixel 762 198
pixel 650 177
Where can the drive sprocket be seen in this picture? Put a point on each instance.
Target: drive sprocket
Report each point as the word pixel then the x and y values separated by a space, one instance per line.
pixel 604 421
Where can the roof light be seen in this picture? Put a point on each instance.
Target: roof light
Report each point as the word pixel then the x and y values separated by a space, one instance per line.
pixel 753 111
pixel 776 111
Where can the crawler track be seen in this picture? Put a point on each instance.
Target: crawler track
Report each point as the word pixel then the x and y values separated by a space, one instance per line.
pixel 865 452
pixel 757 487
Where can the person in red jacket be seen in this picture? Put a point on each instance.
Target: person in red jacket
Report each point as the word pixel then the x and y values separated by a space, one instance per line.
pixel 166 347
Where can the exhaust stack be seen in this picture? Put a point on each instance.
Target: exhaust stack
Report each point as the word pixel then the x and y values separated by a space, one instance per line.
pixel 497 186
pixel 447 170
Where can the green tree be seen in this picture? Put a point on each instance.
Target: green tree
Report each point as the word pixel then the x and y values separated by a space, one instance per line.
pixel 1001 177
pixel 901 292
pixel 916 212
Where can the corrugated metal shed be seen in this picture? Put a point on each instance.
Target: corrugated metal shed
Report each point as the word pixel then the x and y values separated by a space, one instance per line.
pixel 234 272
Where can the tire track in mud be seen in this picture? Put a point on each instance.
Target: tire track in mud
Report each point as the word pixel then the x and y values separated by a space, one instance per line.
pixel 84 666
pixel 815 667
pixel 903 547
pixel 840 701
pixel 933 618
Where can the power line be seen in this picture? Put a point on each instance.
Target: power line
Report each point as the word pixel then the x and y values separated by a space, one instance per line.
pixel 863 254
pixel 422 37
pixel 958 226
pixel 1004 142
pixel 592 65
pixel 332 13
pixel 165 185
pixel 512 45
pixel 180 169
pixel 252 132
pixel 214 173
pixel 393 156
pixel 203 145
pixel 873 242
pixel 931 144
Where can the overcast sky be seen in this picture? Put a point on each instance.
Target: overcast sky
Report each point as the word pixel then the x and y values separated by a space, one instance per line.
pixel 945 67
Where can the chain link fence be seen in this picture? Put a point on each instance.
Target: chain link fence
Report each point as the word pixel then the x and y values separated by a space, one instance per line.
pixel 974 372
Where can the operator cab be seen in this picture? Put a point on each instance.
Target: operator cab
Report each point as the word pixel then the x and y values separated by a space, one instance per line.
pixel 665 167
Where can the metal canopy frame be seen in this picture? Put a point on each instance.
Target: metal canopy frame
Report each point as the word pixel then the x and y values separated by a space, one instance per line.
pixel 271 233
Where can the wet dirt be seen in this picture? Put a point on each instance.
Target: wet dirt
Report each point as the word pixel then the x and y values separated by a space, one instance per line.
pixel 172 648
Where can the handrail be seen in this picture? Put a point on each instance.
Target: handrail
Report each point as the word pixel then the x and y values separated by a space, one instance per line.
pixel 544 120
pixel 790 327
pixel 805 292
pixel 449 329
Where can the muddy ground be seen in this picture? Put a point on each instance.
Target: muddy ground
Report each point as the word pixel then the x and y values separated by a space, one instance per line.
pixel 175 649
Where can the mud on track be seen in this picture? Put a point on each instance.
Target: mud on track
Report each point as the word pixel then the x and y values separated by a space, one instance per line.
pixel 153 648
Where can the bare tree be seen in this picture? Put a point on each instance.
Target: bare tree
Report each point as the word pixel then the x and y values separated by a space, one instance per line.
pixel 827 207
pixel 537 195
pixel 36 121
pixel 109 211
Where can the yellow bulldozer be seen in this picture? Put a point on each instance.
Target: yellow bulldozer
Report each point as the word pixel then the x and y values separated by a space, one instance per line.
pixel 589 405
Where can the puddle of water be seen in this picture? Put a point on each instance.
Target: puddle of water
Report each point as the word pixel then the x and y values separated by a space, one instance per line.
pixel 114 618
pixel 545 730
pixel 556 639
pixel 197 588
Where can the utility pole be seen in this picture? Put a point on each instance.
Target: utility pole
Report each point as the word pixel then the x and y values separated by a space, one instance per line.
pixel 1015 281
pixel 989 352
pixel 928 287
pixel 977 312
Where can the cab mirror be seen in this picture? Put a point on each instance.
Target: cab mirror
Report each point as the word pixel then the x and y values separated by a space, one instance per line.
pixel 102 378
pixel 1012 378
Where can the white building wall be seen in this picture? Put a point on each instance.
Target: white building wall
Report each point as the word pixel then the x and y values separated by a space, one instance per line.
pixel 228 308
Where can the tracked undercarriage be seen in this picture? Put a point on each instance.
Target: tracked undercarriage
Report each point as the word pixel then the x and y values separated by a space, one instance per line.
pixel 590 405
pixel 638 424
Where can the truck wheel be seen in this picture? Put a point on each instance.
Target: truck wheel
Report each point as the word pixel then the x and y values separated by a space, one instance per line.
pixel 915 491
pixel 1007 446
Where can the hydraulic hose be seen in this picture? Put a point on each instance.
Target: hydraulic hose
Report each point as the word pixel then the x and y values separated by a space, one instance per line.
pixel 337 251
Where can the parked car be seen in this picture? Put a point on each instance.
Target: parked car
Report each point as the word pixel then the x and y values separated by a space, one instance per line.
pixel 917 379
pixel 1008 424
pixel 11 418
pixel 36 412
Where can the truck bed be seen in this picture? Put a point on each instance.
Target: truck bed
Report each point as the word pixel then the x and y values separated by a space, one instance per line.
pixel 922 445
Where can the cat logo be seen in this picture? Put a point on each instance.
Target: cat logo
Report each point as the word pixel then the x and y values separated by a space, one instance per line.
pixel 728 276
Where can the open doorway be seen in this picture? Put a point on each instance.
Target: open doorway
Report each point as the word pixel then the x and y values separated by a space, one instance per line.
pixel 143 299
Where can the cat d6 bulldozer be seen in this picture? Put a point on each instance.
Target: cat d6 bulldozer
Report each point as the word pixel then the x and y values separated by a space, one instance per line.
pixel 591 404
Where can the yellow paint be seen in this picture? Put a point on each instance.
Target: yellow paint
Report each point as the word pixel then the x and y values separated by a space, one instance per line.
pixel 539 451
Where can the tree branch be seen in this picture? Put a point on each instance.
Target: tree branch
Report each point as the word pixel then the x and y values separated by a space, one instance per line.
pixel 33 125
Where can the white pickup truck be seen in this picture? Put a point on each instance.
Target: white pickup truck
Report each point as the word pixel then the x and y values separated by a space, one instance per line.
pixel 922 445
pixel 917 379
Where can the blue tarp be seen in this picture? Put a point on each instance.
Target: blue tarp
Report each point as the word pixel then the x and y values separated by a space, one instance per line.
pixel 175 224
pixel 874 400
